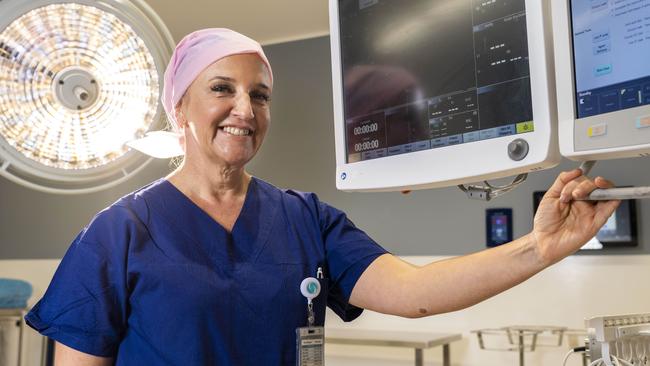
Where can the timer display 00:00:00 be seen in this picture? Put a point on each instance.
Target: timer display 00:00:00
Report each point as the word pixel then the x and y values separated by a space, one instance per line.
pixel 360 130
pixel 366 145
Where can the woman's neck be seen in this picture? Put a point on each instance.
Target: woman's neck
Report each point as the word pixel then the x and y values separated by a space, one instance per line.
pixel 221 184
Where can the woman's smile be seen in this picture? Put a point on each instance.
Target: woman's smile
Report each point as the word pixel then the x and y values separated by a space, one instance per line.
pixel 236 131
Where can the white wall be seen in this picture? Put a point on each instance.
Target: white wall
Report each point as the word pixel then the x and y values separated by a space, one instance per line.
pixel 563 295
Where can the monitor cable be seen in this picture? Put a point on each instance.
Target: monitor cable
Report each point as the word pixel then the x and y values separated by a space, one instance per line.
pixel 582 349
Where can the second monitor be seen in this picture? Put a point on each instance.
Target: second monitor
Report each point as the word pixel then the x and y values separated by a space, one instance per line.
pixel 602 52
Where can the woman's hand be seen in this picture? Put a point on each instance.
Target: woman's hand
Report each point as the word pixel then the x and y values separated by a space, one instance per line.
pixel 563 225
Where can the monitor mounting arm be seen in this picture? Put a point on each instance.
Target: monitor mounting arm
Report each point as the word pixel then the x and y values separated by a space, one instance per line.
pixel 489 191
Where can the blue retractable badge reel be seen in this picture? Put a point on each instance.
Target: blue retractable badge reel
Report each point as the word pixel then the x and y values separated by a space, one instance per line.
pixel 310 339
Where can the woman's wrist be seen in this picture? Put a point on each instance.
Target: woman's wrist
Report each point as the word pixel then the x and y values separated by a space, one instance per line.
pixel 541 255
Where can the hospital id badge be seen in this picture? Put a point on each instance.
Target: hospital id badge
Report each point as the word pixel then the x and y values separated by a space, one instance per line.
pixel 310 342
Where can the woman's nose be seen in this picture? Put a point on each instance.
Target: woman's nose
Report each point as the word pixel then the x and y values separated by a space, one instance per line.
pixel 242 107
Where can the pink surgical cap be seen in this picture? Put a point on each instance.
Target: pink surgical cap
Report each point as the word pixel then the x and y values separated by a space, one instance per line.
pixel 194 53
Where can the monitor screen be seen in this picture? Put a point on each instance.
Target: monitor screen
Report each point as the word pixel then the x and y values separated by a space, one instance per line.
pixel 435 93
pixel 620 230
pixel 611 49
pixel 422 74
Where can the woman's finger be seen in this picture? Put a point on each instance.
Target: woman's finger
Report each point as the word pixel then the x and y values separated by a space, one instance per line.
pixel 583 189
pixel 562 179
pixel 603 183
pixel 567 192
pixel 604 209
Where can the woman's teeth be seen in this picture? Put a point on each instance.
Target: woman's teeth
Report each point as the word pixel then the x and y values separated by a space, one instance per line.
pixel 237 131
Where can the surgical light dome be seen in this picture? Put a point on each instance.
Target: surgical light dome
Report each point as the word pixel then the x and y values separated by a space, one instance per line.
pixel 78 80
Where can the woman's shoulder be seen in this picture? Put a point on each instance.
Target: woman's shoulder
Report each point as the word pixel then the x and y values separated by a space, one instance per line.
pixel 301 202
pixel 288 194
pixel 130 209
pixel 134 198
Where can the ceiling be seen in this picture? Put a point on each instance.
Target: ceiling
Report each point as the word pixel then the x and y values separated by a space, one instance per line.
pixel 267 21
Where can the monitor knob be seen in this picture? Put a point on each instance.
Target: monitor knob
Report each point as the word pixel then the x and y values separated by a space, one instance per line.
pixel 518 149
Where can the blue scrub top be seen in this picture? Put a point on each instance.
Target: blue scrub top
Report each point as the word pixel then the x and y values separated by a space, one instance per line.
pixel 155 280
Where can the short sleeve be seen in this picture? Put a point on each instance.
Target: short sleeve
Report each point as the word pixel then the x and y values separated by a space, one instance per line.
pixel 349 252
pixel 84 306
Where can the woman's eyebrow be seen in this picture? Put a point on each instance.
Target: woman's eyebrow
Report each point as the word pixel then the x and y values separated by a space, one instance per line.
pixel 224 78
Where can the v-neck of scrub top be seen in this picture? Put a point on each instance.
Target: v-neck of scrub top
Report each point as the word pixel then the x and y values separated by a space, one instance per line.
pixel 249 233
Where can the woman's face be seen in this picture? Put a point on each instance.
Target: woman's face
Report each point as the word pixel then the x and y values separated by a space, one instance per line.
pixel 225 111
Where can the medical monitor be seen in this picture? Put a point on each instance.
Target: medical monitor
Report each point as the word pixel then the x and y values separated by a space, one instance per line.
pixel 603 76
pixel 438 93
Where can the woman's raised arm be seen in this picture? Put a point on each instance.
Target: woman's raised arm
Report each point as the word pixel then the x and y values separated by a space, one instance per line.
pixel 562 225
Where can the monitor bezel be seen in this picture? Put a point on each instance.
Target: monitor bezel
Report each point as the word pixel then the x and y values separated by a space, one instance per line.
pixel 566 90
pixel 489 157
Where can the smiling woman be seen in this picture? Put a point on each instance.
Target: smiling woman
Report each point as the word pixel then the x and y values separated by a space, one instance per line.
pixel 225 114
pixel 208 252
pixel 186 269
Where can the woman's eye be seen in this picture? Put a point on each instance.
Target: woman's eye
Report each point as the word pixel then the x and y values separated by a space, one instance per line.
pixel 261 97
pixel 221 88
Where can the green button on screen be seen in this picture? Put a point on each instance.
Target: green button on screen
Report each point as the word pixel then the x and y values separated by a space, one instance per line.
pixel 523 127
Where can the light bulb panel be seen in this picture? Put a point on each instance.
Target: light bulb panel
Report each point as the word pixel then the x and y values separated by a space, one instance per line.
pixel 78 80
pixel 34 118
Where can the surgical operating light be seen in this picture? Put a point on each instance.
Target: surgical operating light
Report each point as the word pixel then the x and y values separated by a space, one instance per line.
pixel 78 80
